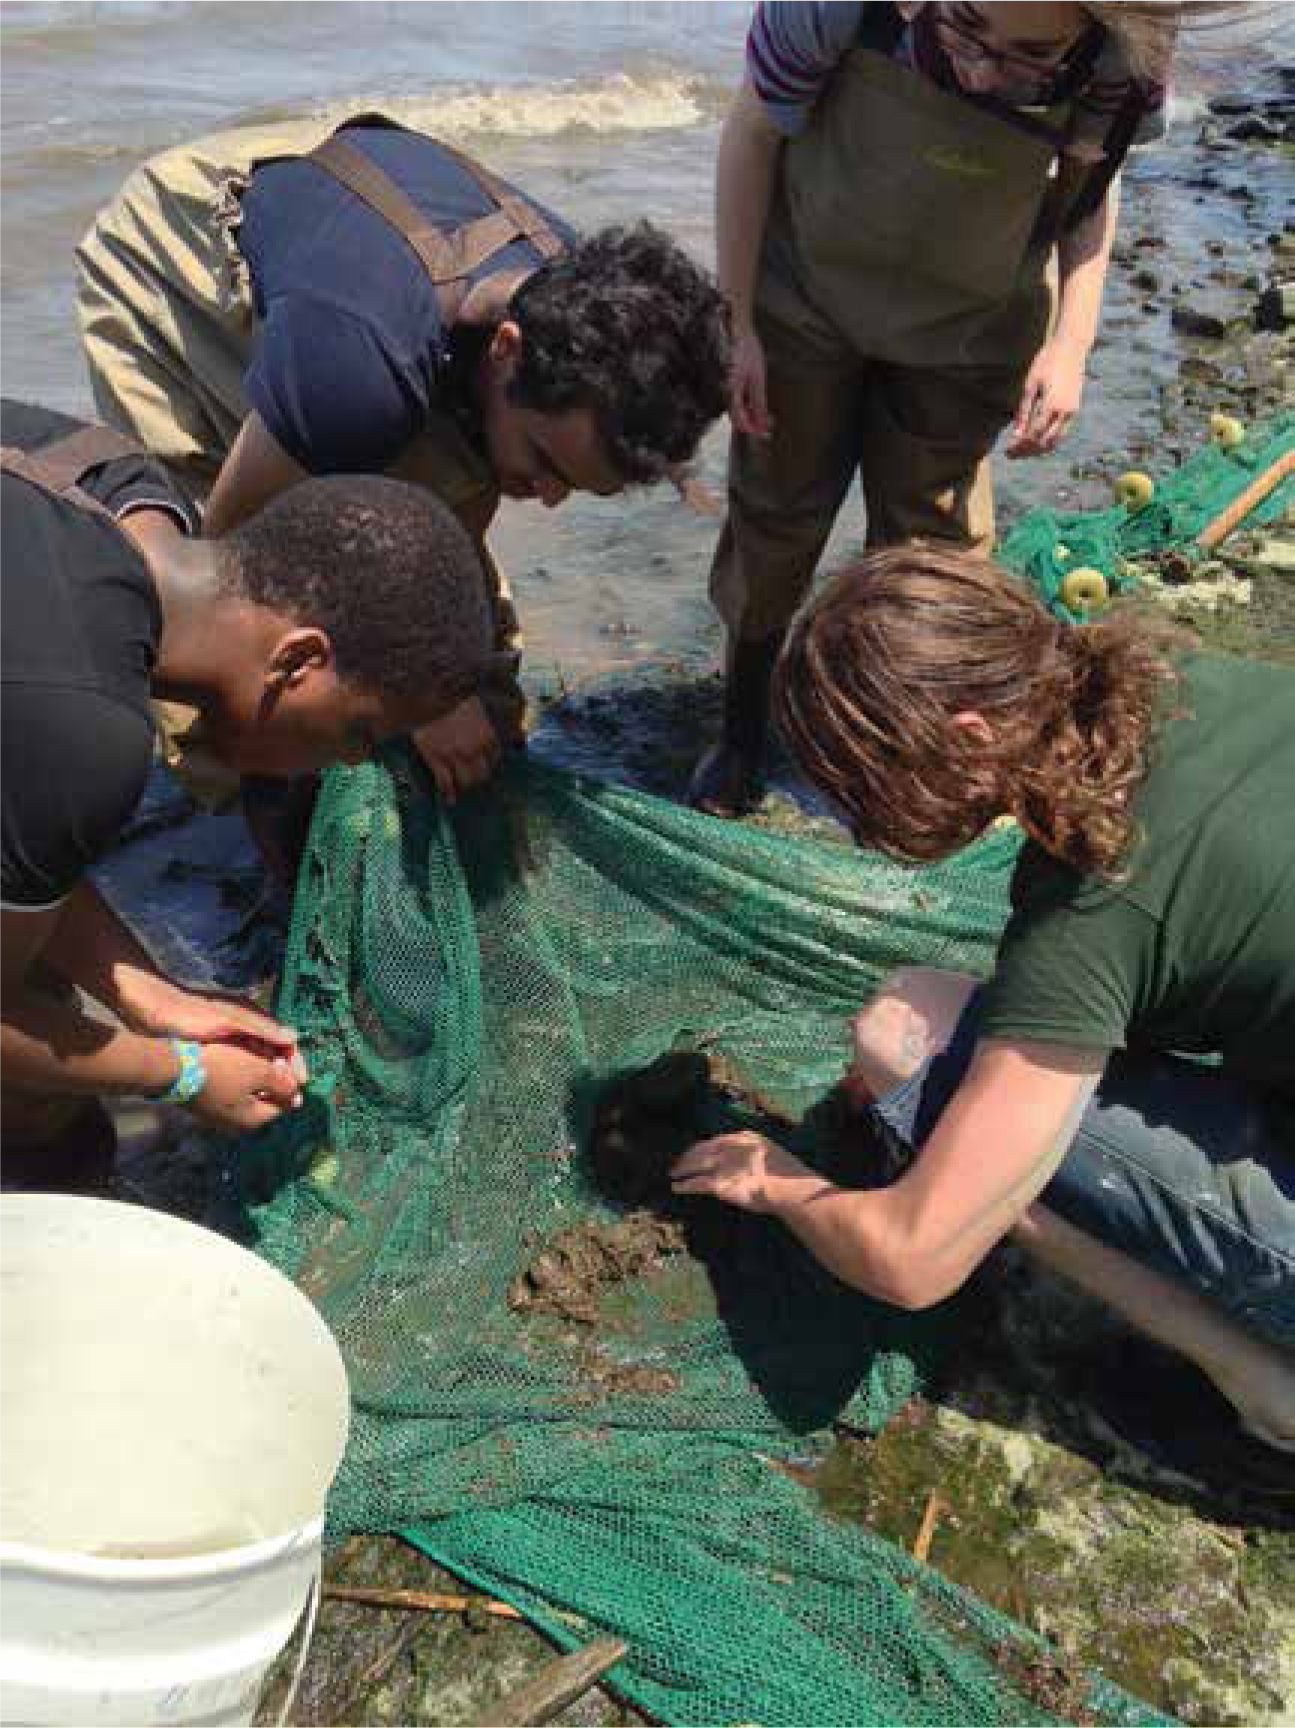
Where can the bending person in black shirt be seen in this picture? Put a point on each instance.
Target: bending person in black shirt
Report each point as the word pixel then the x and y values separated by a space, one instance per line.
pixel 347 611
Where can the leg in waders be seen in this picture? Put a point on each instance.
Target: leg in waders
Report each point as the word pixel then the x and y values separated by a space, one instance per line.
pixel 919 440
pixel 899 296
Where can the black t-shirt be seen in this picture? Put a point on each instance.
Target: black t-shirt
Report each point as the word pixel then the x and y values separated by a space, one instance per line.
pixel 79 627
pixel 351 351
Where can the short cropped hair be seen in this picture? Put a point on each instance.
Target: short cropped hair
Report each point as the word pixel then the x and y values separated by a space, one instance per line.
pixel 623 323
pixel 384 568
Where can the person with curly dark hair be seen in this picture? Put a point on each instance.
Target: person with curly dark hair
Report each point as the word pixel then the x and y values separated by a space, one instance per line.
pixel 111 597
pixel 1120 1094
pixel 266 304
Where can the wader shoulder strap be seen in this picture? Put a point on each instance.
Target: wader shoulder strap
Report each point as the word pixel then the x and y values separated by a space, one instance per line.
pixel 58 467
pixel 880 28
pixel 1118 143
pixel 447 255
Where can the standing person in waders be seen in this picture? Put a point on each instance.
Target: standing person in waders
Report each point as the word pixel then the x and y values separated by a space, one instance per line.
pixel 894 184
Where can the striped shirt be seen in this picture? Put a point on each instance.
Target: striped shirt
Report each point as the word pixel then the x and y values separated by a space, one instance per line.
pixel 794 46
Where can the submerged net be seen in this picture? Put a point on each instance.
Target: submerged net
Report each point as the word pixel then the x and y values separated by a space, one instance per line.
pixel 591 1413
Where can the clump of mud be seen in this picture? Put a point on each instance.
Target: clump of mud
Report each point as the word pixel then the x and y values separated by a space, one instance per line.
pixel 571 1270
pixel 603 1376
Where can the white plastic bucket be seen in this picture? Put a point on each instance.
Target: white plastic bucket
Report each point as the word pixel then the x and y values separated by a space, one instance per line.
pixel 174 1411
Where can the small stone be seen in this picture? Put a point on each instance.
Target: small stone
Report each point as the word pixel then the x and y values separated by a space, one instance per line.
pixel 1195 323
pixel 1276 554
pixel 1256 130
pixel 1275 307
pixel 1146 280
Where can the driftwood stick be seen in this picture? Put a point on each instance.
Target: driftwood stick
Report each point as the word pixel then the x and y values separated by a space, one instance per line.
pixel 926 1529
pixel 431 1601
pixel 559 1683
pixel 1244 502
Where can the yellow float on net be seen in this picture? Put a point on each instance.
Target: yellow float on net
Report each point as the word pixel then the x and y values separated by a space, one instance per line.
pixel 1134 489
pixel 1226 431
pixel 1085 590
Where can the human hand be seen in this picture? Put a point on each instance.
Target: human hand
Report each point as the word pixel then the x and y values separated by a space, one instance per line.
pixel 1049 399
pixel 748 404
pixel 157 1005
pixel 743 1170
pixel 461 749
pixel 245 1089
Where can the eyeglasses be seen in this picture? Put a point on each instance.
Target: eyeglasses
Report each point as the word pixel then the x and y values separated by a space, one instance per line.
pixel 1041 77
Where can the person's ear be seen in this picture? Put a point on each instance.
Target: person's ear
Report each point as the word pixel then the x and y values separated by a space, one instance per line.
pixel 975 726
pixel 506 343
pixel 295 656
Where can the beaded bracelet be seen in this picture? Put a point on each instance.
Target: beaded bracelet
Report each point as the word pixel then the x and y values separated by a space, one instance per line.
pixel 190 1076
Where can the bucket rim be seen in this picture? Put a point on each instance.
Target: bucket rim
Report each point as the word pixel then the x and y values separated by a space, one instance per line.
pixel 181 1568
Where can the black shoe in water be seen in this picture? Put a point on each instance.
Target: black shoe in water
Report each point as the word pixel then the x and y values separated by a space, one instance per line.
pixel 728 782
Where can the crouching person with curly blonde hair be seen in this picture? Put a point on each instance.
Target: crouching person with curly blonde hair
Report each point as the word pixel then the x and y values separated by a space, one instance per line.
pixel 1120 1094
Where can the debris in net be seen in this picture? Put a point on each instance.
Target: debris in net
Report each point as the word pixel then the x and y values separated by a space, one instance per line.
pixel 571 1270
pixel 1046 1678
pixel 604 1377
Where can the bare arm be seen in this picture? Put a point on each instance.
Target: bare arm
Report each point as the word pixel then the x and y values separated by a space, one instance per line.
pixel 1082 257
pixel 747 163
pixel 992 1152
pixel 92 947
pixel 257 469
pixel 49 1044
pixel 1055 382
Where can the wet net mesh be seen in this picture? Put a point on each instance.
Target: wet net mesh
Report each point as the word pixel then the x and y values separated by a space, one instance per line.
pixel 466 985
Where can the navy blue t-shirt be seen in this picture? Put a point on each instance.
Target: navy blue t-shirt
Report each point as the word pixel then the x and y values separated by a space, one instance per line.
pixel 351 354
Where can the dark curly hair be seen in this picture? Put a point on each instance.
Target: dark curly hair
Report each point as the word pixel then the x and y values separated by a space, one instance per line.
pixel 383 568
pixel 878 666
pixel 625 324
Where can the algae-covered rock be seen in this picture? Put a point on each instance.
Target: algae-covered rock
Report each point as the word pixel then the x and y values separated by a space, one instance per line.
pixel 1046 1514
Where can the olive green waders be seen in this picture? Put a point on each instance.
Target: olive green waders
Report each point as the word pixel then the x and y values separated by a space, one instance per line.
pixel 901 298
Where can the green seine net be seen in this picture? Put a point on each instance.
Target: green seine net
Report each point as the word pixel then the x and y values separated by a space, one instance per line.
pixel 465 984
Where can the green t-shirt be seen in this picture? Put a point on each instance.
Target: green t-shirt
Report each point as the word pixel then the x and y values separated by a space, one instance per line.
pixel 1193 948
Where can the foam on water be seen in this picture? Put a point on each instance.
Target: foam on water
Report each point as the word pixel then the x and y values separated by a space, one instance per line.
pixel 619 103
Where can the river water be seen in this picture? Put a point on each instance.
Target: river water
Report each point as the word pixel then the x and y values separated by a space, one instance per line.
pixel 608 112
